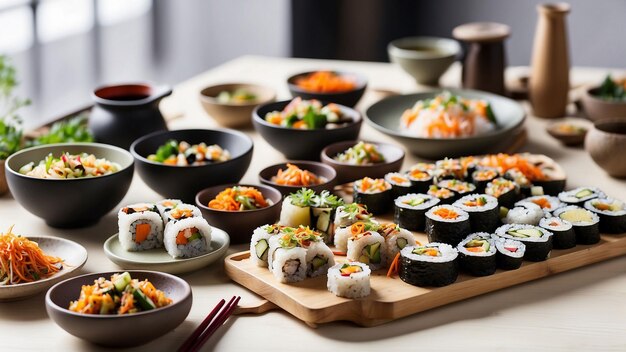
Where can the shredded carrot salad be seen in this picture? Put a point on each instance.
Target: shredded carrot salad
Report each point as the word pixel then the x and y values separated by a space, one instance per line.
pixel 239 198
pixel 326 82
pixel 295 176
pixel 22 261
pixel 504 162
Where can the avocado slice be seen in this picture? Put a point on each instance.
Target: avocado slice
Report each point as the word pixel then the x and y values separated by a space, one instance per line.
pixel 261 249
pixel 144 301
pixel 374 252
pixel 122 281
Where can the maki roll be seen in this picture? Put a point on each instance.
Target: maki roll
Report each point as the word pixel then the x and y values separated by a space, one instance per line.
pixel 445 195
pixel 187 237
pixel 538 240
pixel 580 195
pixel 517 176
pixel 563 235
pixel 348 214
pixel 410 210
pixel 547 203
pixel 400 184
pixel 524 213
pixel 166 205
pixel 449 169
pixel 287 260
pixel 420 180
pixel 482 177
pixel 510 253
pixel 612 214
pixel 307 208
pixel 181 212
pixel 503 189
pixel 368 248
pixel 349 280
pixel 344 233
pixel 433 264
pixel 447 224
pixel 260 245
pixel 396 238
pixel 318 259
pixel 483 210
pixel 477 254
pixel 586 223
pixel 459 187
pixel 375 194
pixel 140 227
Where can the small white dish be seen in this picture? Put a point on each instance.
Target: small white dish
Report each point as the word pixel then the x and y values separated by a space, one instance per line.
pixel 73 254
pixel 159 260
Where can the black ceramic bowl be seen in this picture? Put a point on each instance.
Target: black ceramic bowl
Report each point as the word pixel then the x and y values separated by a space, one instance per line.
pixel 70 202
pixel 325 171
pixel 347 98
pixel 184 182
pixel 303 144
pixel 120 330
pixel 240 224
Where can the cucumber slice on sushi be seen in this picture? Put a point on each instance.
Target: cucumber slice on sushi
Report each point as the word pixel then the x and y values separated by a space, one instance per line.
pixel 477 254
pixel 431 265
pixel 585 222
pixel 538 241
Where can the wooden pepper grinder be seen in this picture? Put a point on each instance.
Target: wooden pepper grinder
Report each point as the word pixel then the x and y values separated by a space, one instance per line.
pixel 485 59
pixel 549 77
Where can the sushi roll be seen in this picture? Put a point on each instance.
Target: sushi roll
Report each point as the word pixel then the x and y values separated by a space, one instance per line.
pixel 307 208
pixel 349 280
pixel 449 169
pixel 585 222
pixel 580 195
pixel 396 238
pixel 447 224
pixel 166 205
pixel 260 245
pixel 400 184
pixel 348 214
pixel 477 254
pixel 287 261
pixel 563 235
pixel 612 214
pixel 318 259
pixel 470 164
pixel 547 203
pixel 410 210
pixel 182 211
pixel 445 195
pixel 482 177
pixel 140 227
pixel 420 180
pixel 538 240
pixel 373 193
pixel 483 210
pixel 524 213
pixel 433 264
pixel 523 183
pixel 505 190
pixel 342 234
pixel 368 248
pixel 187 237
pixel 510 253
pixel 461 188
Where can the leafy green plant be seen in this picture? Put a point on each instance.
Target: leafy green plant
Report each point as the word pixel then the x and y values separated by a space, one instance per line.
pixel 10 122
pixel 67 131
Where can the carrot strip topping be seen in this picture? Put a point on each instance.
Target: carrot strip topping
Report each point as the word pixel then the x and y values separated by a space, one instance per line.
pixel 393 268
pixel 294 176
pixel 325 82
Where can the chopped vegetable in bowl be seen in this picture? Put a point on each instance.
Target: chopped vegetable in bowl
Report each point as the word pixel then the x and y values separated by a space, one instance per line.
pixel 239 96
pixel 184 154
pixel 239 198
pixel 613 90
pixel 361 154
pixel 326 82
pixel 70 166
pixel 308 115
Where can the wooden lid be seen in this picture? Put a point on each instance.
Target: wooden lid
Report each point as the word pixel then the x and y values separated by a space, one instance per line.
pixel 481 32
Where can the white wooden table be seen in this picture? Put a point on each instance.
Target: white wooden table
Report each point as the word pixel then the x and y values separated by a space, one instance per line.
pixel 579 310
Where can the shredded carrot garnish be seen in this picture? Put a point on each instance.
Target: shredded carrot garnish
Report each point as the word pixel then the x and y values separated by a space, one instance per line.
pixel 294 176
pixel 393 268
pixel 357 228
pixel 542 202
pixel 504 162
pixel 238 198
pixel 446 213
pixel 325 82
pixel 22 261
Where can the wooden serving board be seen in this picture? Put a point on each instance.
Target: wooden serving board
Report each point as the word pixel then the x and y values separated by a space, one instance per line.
pixel 391 298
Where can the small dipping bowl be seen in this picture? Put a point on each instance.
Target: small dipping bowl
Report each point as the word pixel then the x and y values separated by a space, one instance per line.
pixel 319 169
pixel 606 143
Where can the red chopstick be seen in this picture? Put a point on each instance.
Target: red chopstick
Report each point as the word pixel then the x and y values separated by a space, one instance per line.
pixel 209 325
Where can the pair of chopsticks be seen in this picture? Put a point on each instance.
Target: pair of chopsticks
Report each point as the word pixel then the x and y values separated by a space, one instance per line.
pixel 209 325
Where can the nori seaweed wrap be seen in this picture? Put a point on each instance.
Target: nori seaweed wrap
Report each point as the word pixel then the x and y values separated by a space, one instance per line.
pixel 445 195
pixel 538 240
pixel 483 210
pixel 586 223
pixel 580 195
pixel 447 224
pixel 477 254
pixel 510 253
pixel 482 177
pixel 400 184
pixel 612 214
pixel 431 265
pixel 505 190
pixel 563 235
pixel 410 210
pixel 420 180
pixel 459 187
pixel 375 194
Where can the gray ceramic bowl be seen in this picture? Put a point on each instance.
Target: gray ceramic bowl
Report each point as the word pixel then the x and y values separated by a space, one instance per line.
pixel 348 98
pixel 606 143
pixel 265 176
pixel 303 144
pixel 597 108
pixel 70 202
pixel 240 224
pixel 424 58
pixel 184 182
pixel 394 156
pixel 120 330
pixel 234 114
pixel 385 117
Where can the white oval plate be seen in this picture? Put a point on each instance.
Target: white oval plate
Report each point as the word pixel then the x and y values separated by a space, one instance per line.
pixel 158 259
pixel 73 254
